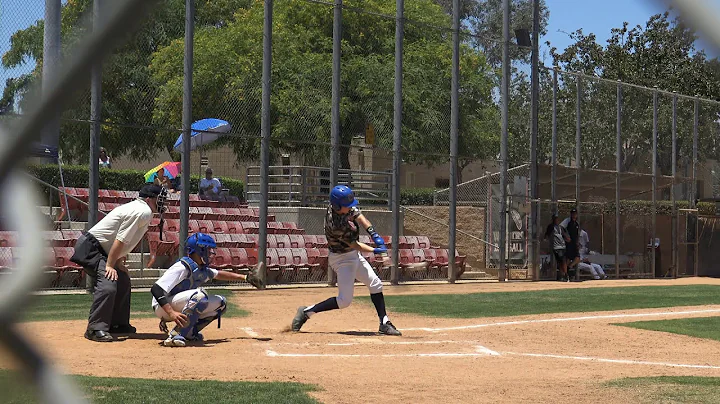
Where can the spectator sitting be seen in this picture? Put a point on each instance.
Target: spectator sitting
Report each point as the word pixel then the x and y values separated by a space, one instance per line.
pixel 584 264
pixel 161 179
pixel 209 186
pixel 104 159
pixel 175 184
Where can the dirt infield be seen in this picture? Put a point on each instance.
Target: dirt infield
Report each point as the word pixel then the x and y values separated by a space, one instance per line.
pixel 542 358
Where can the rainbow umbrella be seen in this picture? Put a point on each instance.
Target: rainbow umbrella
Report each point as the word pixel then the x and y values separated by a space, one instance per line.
pixel 171 170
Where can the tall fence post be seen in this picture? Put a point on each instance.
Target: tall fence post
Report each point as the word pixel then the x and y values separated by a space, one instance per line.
pixel 553 172
pixel 51 65
pixel 505 96
pixel 95 116
pixel 618 167
pixel 578 151
pixel 187 122
pixel 653 209
pixel 534 123
pixel 335 117
pixel 397 134
pixel 673 218
pixel 454 133
pixel 694 191
pixel 265 130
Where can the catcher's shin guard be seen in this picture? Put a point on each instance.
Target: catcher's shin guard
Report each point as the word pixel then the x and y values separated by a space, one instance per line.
pixel 204 322
pixel 197 303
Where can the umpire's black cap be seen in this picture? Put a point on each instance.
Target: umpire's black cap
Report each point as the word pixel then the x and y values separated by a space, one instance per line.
pixel 150 191
pixel 573 210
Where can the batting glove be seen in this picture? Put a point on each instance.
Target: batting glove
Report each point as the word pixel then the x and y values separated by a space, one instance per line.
pixel 380 250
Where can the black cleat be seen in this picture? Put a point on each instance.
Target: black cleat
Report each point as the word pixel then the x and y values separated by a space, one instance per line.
pixel 123 329
pixel 99 336
pixel 389 329
pixel 299 319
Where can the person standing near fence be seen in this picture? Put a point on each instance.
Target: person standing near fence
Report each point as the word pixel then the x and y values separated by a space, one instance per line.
pixel 100 251
pixel 558 237
pixel 342 229
pixel 572 250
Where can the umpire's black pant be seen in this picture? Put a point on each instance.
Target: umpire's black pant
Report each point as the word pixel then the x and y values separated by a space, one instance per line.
pixel 111 300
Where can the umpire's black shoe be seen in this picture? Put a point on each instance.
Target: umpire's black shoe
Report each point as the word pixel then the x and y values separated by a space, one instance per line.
pixel 99 336
pixel 123 329
pixel 299 319
pixel 389 329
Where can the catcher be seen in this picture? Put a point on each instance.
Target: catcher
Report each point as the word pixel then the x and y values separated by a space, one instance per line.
pixel 178 296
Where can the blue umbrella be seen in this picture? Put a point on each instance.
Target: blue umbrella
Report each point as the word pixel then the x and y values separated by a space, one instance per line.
pixel 204 131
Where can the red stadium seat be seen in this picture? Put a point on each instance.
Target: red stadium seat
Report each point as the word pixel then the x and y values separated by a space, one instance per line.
pixel 247 215
pixel 193 226
pixel 406 257
pixel 323 253
pixel 207 213
pixel 283 240
pixel 72 235
pixel 321 242
pixel 285 257
pixel 411 241
pixel 252 239
pixel 275 228
pixel 220 226
pixel 310 240
pixel 215 214
pixel 272 241
pixel 252 254
pixel 205 226
pixel 8 239
pixel 62 263
pixel 154 224
pixel 432 257
pixel 225 240
pixel 423 242
pixel 6 258
pixel 56 239
pixel 403 243
pixel 232 215
pixel 249 227
pixel 166 247
pixel 236 227
pixel 297 241
pixel 239 258
pixel 171 225
pixel 222 258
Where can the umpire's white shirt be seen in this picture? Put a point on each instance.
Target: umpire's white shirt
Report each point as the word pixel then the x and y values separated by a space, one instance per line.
pixel 127 223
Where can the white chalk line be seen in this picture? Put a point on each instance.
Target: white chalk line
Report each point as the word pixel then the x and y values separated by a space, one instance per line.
pixel 563 319
pixel 249 331
pixel 605 360
pixel 276 354
pixel 481 351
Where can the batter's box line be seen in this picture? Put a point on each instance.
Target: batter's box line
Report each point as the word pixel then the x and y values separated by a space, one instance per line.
pixel 480 351
pixel 563 319
pixel 483 351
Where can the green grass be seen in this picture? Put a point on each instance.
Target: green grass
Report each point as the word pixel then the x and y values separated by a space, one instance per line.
pixel 128 391
pixel 703 327
pixel 77 307
pixel 675 389
pixel 499 304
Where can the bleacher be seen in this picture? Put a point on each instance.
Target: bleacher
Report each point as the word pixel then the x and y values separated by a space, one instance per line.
pixel 292 255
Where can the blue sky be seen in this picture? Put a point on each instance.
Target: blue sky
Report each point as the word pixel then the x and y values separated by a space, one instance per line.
pixel 565 15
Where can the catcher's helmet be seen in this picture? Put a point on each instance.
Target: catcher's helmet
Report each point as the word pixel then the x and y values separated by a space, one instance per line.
pixel 342 197
pixel 200 243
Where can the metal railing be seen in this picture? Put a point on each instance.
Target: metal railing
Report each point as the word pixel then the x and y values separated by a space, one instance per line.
pixel 310 186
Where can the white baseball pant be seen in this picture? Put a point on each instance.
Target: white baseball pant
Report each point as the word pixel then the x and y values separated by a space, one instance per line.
pixel 595 269
pixel 350 266
pixel 179 301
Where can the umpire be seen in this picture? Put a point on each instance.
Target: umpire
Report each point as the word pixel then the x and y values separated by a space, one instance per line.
pixel 100 251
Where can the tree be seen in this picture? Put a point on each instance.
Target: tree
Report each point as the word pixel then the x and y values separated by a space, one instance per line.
pixel 661 54
pixel 128 91
pixel 227 81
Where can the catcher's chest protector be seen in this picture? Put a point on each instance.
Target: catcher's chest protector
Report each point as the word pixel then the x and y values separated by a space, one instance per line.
pixel 198 276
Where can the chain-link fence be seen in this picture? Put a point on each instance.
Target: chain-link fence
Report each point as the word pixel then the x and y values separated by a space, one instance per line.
pixel 577 141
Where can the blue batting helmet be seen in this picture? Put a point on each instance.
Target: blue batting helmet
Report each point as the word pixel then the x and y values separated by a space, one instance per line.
pixel 342 197
pixel 200 243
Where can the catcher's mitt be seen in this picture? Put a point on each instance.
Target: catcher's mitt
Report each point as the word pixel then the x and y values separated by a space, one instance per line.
pixel 253 277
